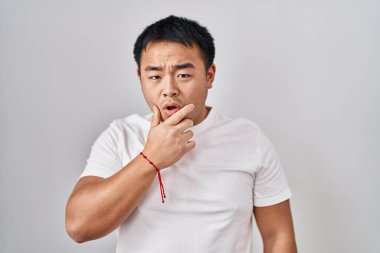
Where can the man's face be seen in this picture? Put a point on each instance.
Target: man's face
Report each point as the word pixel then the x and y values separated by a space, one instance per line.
pixel 172 76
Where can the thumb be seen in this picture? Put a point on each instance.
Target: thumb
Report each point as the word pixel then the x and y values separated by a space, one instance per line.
pixel 156 117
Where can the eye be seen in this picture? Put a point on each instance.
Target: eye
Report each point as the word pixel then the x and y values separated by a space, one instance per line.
pixel 183 75
pixel 154 77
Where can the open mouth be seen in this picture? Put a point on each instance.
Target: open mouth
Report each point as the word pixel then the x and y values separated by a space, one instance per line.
pixel 171 108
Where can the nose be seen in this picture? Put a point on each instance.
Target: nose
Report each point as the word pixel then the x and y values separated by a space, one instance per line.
pixel 170 89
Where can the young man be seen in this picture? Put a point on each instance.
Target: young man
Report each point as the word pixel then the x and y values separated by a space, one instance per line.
pixel 184 178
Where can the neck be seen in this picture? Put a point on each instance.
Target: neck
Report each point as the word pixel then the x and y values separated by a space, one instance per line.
pixel 204 114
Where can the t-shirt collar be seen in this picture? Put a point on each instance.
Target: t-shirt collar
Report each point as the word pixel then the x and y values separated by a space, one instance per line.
pixel 206 123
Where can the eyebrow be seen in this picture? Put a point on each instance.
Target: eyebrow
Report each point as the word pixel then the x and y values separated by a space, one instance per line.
pixel 179 66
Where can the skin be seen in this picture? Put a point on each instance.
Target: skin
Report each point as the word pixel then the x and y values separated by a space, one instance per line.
pixel 169 72
pixel 97 206
pixel 276 228
pixel 172 72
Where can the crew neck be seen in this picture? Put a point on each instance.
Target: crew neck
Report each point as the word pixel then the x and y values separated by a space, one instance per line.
pixel 205 123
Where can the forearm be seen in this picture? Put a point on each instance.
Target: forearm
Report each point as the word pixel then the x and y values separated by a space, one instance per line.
pixel 98 207
pixel 280 244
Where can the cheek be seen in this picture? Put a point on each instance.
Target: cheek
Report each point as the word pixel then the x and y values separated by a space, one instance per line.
pixel 150 96
pixel 149 91
pixel 199 91
pixel 196 86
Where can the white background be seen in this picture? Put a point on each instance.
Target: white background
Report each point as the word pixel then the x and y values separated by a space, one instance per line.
pixel 307 72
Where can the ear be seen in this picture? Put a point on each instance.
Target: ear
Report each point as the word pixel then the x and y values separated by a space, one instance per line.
pixel 139 76
pixel 138 73
pixel 211 75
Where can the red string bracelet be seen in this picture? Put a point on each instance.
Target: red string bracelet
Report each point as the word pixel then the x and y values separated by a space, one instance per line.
pixel 159 177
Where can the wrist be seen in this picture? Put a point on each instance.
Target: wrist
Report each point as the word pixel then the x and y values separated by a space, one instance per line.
pixel 150 155
pixel 159 176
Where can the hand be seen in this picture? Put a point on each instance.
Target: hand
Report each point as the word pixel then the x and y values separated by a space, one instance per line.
pixel 167 142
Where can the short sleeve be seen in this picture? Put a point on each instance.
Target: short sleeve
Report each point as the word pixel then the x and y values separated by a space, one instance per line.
pixel 270 185
pixel 104 159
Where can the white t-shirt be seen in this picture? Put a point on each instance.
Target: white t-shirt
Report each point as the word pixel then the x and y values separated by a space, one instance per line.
pixel 210 192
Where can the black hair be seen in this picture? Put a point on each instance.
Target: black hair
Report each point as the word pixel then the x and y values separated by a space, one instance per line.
pixel 177 29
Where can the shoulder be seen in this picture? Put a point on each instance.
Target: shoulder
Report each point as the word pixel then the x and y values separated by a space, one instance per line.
pixel 133 121
pixel 241 124
pixel 244 122
pixel 132 125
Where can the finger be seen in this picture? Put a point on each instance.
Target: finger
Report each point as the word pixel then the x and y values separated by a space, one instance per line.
pixel 183 125
pixel 190 145
pixel 186 136
pixel 156 117
pixel 179 115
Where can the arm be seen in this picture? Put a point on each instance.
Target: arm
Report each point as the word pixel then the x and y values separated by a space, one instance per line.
pixel 276 228
pixel 97 206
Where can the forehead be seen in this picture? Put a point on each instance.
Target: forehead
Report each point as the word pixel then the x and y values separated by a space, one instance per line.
pixel 168 52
